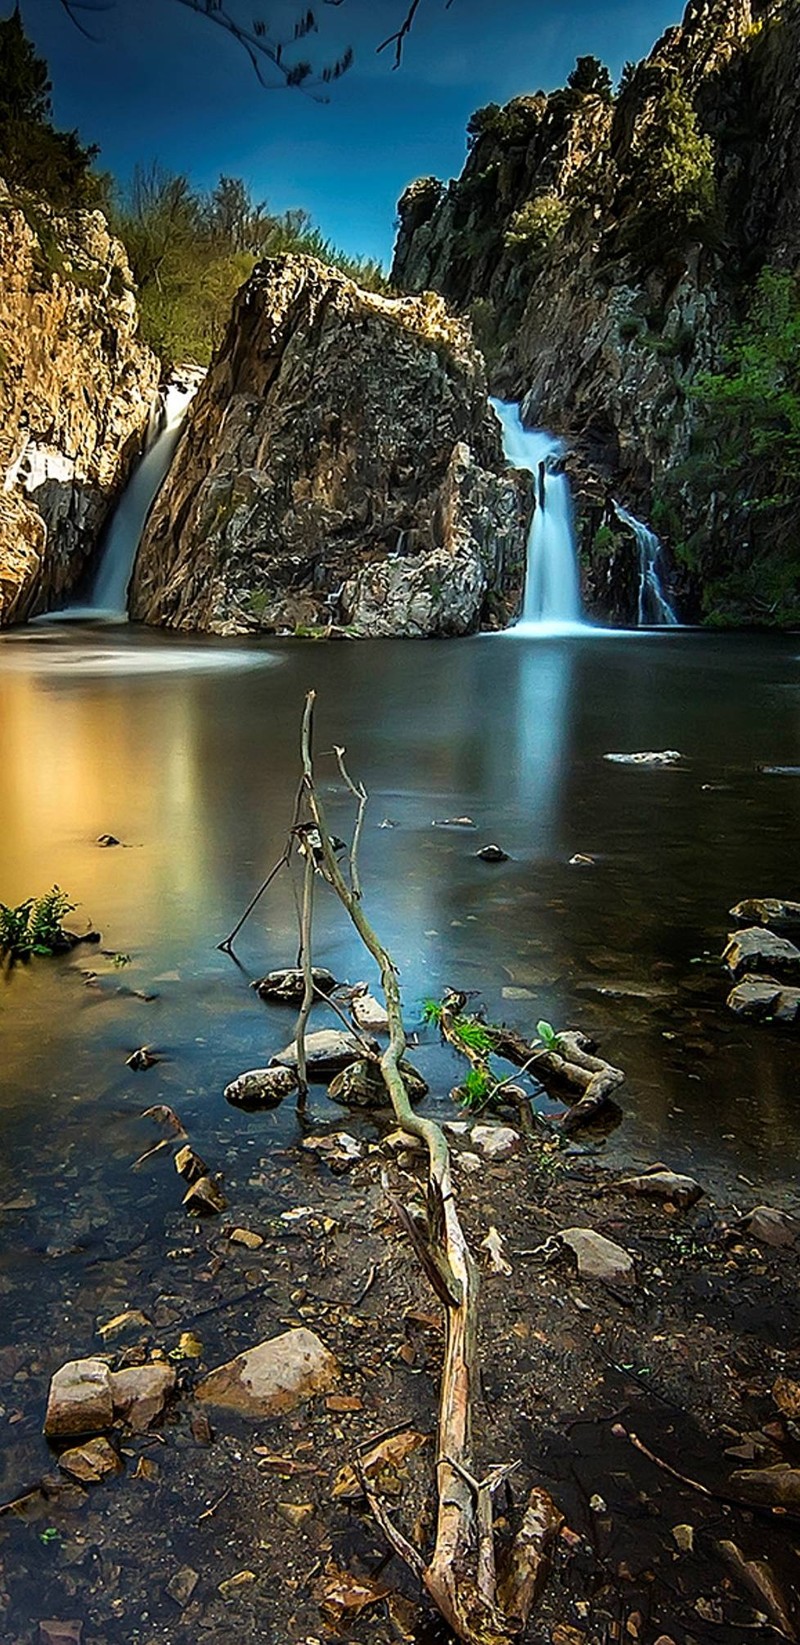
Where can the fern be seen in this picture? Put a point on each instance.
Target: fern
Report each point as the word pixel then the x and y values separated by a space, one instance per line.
pixel 35 926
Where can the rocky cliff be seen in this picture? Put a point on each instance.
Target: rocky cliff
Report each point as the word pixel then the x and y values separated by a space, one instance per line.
pixel 608 248
pixel 76 387
pixel 341 466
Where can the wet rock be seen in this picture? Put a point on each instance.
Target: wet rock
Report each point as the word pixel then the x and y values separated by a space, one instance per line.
pixel 90 1463
pixel 759 950
pixel 337 1148
pixel 274 1377
pixel 296 1513
pixel 204 1198
pixel 60 1633
pixel 246 1237
pixel 327 1051
pixel 667 756
pixel 140 1394
pixel 492 853
pixel 759 998
pixel 579 860
pixel 288 986
pixel 261 1088
pixel 361 1085
pixel 659 1183
pixel 232 1584
pixel 773 911
pixel 369 1014
pixel 770 1226
pixel 189 1165
pixel 80 1399
pixel 496 1142
pixel 141 1059
pixel 107 840
pixel 182 1585
pixel 453 822
pixel 598 1257
pixel 777 1487
pixel 131 1320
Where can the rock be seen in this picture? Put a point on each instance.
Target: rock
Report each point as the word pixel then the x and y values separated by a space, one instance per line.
pixel 771 1226
pixel 667 756
pixel 296 1513
pixel 90 1463
pixel 337 1148
pixel 131 1320
pixel 496 1142
pixel 141 1060
pixel 182 1585
pixel 345 430
pixel 80 1399
pixel 274 1377
pixel 60 1633
pixel 246 1237
pixel 140 1393
pixel 581 861
pixel 107 839
pixel 232 1584
pixel 453 822
pixel 261 1088
pixel 289 985
pixel 492 853
pixel 598 1257
pixel 777 1487
pixel 369 1014
pixel 204 1198
pixel 772 911
pixel 189 1165
pixel 361 1085
pixel 659 1183
pixel 762 998
pixel 327 1051
pixel 758 949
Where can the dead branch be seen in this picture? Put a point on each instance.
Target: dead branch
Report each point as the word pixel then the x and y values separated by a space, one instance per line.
pixel 454 1581
pixel 566 1071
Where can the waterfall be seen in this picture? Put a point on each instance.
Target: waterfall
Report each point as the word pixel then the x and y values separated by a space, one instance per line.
pixel 654 607
pixel 552 591
pixel 109 591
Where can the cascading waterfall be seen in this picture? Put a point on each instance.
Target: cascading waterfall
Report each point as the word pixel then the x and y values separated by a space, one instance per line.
pixel 654 607
pixel 552 591
pixel 109 591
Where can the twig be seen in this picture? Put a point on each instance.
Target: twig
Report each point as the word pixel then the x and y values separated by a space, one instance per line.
pixel 359 793
pixel 226 947
pixel 367 1286
pixel 208 1512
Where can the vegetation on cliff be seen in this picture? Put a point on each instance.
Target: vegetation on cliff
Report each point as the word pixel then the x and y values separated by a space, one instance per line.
pixel 33 154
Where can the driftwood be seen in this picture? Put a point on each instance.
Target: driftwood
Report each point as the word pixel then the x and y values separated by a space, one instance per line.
pixel 459 1576
pixel 567 1069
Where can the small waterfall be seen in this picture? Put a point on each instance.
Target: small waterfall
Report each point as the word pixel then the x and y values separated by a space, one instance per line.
pixel 109 591
pixel 552 590
pixel 654 607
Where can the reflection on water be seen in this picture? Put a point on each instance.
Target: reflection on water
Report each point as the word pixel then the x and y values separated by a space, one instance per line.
pixel 63 645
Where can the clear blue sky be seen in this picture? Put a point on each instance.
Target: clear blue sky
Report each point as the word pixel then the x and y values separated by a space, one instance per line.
pixel 164 85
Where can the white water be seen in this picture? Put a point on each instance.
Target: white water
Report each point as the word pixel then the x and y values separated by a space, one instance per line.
pixel 552 602
pixel 654 607
pixel 108 597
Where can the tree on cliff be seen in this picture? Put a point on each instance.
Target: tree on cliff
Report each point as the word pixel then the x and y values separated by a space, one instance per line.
pixel 33 155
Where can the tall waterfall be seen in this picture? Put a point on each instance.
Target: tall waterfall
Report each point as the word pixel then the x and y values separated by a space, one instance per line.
pixel 654 607
pixel 109 591
pixel 552 591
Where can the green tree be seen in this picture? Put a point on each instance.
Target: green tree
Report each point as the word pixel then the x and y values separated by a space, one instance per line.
pixel 33 155
pixel 591 76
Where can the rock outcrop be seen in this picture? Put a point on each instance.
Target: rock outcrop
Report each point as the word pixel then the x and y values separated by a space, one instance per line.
pixel 76 387
pixel 607 247
pixel 341 466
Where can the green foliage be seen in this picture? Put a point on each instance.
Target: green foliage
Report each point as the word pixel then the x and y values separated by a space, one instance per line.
pixel 547 1035
pixel 432 1011
pixel 672 176
pixel 33 155
pixel 476 1090
pixel 590 76
pixel 35 926
pixel 758 389
pixel 512 125
pixel 534 229
pixel 605 542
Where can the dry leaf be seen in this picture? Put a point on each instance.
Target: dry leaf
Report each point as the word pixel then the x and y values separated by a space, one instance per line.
pixel 388 1453
pixel 495 1245
pixel 786 1395
pixel 342 1595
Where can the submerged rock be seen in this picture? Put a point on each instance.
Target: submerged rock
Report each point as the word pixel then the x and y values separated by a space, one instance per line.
pixel 80 1400
pixel 758 949
pixel 369 1015
pixel 327 1051
pixel 274 1377
pixel 667 756
pixel 261 1087
pixel 92 1462
pixel 289 985
pixel 659 1183
pixel 763 997
pixel 204 1198
pixel 492 853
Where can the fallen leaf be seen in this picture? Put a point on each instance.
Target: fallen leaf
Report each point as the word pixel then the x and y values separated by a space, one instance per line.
pixel 786 1395
pixel 342 1595
pixel 386 1453
pixel 495 1245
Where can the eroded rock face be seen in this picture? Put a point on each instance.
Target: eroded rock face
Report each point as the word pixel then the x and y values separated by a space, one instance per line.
pixel 340 465
pixel 76 387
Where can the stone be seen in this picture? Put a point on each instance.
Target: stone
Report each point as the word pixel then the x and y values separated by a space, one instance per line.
pixel 776 1487
pixel 140 1393
pixel 232 1584
pixel 496 1142
pixel 204 1198
pixel 107 840
pixel 580 860
pixel 762 998
pixel 339 1150
pixel 246 1237
pixel 598 1257
pixel 80 1399
pixel 288 985
pixel 141 1059
pixel 492 853
pixel 189 1165
pixel 296 1513
pixel 667 756
pixel 90 1463
pixel 60 1633
pixel 771 1226
pixel 772 911
pixel 131 1320
pixel 659 1183
pixel 182 1585
pixel 261 1088
pixel 759 950
pixel 327 1051
pixel 274 1377
pixel 361 1085
pixel 344 429
pixel 369 1015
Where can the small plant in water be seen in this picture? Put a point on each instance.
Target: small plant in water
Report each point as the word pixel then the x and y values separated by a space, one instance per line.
pixel 547 1035
pixel 35 926
pixel 476 1091
pixel 120 959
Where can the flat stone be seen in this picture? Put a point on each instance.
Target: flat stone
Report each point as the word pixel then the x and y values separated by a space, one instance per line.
pixel 496 1142
pixel 204 1198
pixel 80 1399
pixel 182 1585
pixel 758 998
pixel 288 986
pixel 188 1164
pixel 598 1257
pixel 361 1085
pixel 140 1393
pixel 60 1633
pixel 770 1226
pixel 327 1051
pixel 90 1463
pixel 261 1087
pixel 758 949
pixel 369 1014
pixel 663 1184
pixel 273 1377
pixel 774 911
pixel 247 1237
pixel 664 756
pixel 131 1320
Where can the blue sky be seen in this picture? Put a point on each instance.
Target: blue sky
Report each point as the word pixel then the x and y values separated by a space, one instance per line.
pixel 161 84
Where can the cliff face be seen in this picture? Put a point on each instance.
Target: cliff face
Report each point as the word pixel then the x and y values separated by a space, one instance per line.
pixel 607 248
pixel 76 388
pixel 340 465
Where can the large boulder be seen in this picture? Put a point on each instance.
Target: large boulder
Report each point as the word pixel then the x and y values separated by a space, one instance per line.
pixel 340 465
pixel 274 1377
